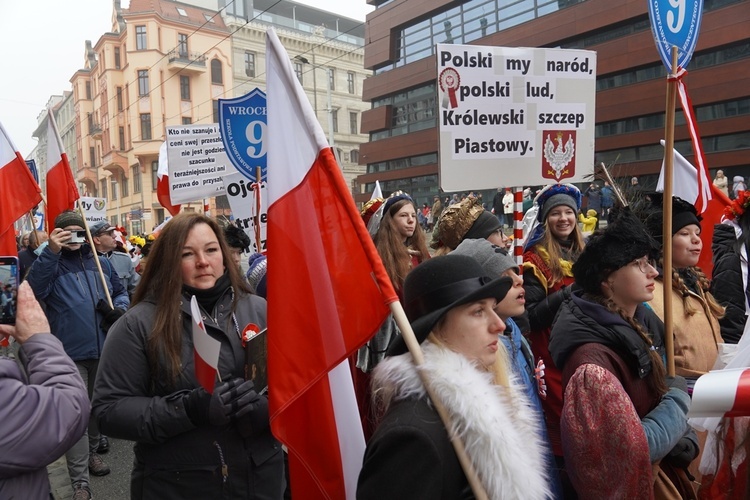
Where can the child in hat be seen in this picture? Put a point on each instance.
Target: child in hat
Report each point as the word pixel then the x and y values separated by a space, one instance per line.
pixel 465 221
pixel 621 416
pixel 450 304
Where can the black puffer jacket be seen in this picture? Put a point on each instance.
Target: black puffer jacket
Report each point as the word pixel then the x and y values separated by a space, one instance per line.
pixel 727 284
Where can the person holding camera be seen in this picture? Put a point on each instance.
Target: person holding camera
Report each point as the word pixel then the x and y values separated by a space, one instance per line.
pixel 66 278
pixel 189 443
pixel 45 407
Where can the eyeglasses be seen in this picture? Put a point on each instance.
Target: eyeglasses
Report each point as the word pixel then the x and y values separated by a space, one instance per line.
pixel 645 264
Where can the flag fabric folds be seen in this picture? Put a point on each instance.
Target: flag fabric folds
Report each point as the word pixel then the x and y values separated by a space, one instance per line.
pixel 19 193
pixel 685 186
pixel 327 293
pixel 205 350
pixel 162 184
pixel 62 192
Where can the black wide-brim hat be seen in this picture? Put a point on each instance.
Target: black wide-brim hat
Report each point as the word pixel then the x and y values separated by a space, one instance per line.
pixel 438 285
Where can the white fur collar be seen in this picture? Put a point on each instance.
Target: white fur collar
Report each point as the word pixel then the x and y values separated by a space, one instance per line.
pixel 500 431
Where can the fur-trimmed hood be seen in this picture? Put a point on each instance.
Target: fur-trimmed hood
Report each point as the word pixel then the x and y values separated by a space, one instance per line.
pixel 500 430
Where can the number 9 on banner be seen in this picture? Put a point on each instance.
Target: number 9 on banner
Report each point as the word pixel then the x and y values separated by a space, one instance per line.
pixel 243 125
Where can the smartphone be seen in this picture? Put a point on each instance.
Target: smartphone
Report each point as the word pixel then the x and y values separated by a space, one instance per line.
pixel 77 237
pixel 9 289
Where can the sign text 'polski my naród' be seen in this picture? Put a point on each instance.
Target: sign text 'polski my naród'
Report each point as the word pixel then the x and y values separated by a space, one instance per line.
pixel 514 116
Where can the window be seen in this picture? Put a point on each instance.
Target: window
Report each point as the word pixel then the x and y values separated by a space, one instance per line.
pixel 350 81
pixel 181 11
pixel 114 188
pixel 216 110
pixel 182 46
pixel 121 135
pixel 113 220
pixel 298 71
pixel 142 82
pixel 154 174
pixel 146 126
pixel 90 119
pixel 140 38
pixel 117 57
pixel 216 76
pixel 103 188
pixel 335 119
pixel 136 174
pixel 92 156
pixel 186 120
pixel 331 78
pixel 250 64
pixel 354 155
pixel 124 186
pixel 119 98
pixel 352 122
pixel 208 18
pixel 88 90
pixel 184 88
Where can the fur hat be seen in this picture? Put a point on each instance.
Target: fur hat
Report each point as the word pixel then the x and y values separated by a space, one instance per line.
pixel 458 220
pixel 624 240
pixel 683 214
pixel 493 259
pixel 237 238
pixel 438 285
pixel 69 218
pixel 556 195
pixel 256 273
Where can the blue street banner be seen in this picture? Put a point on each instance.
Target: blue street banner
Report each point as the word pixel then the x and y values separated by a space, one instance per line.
pixel 243 125
pixel 34 171
pixel 675 22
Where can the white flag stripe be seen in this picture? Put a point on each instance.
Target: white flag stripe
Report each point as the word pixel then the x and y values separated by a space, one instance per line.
pixel 309 138
pixel 7 148
pixel 206 347
pixel 714 393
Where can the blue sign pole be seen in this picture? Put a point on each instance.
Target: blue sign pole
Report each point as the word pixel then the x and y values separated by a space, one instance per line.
pixel 243 125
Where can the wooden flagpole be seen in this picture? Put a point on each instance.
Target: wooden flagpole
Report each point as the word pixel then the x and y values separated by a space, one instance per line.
pixel 416 352
pixel 96 255
pixel 667 207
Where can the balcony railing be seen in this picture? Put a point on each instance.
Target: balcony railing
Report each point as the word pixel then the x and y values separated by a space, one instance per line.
pixel 188 58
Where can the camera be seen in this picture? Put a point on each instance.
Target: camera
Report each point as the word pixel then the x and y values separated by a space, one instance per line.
pixel 77 237
pixel 8 289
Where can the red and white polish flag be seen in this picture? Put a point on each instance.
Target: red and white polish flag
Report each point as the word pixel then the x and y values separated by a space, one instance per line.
pixel 722 393
pixel 62 192
pixel 328 293
pixel 162 183
pixel 205 350
pixel 19 192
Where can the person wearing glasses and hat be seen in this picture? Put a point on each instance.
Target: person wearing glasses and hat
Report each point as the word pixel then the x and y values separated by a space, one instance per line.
pixel 623 425
pixel 450 303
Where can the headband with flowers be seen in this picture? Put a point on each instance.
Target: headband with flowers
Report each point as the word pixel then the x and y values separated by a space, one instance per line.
pixel 735 210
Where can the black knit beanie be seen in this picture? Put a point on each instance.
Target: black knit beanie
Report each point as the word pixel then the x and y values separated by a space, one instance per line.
pixel 69 218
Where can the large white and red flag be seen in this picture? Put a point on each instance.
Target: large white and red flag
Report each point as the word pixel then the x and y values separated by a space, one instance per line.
pixel 62 192
pixel 327 293
pixel 722 393
pixel 19 192
pixel 205 350
pixel 162 183
pixel 685 186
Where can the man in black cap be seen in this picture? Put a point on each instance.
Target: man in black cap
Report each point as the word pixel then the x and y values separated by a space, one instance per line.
pixel 105 241
pixel 66 278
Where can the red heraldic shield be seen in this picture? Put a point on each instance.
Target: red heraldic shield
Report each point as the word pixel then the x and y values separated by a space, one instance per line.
pixel 559 154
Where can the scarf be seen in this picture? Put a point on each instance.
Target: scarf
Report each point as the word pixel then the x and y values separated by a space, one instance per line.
pixel 208 297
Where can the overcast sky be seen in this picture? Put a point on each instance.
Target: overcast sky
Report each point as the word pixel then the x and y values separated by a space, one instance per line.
pixel 43 45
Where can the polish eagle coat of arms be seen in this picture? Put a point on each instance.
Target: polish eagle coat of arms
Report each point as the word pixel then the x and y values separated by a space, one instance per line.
pixel 557 158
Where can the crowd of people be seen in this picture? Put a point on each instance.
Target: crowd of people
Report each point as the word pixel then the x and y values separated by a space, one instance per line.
pixel 552 373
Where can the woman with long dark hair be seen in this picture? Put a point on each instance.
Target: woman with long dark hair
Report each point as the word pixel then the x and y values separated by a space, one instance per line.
pixel 189 443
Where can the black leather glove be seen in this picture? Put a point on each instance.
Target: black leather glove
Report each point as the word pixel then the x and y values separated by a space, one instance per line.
pixel 677 382
pixel 684 451
pixel 110 318
pixel 227 402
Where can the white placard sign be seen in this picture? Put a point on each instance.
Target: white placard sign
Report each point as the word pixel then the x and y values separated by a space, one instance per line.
pixel 514 116
pixel 197 162
pixel 242 202
pixel 94 208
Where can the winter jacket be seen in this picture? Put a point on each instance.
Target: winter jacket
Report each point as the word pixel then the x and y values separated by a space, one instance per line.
pixel 508 202
pixel 696 337
pixel 588 221
pixel 173 457
pixel 728 285
pixel 125 269
pixel 410 454
pixel 594 199
pixel 70 286
pixel 608 197
pixel 614 426
pixel 44 411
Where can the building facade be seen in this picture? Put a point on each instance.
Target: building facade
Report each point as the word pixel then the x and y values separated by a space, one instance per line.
pixel 402 123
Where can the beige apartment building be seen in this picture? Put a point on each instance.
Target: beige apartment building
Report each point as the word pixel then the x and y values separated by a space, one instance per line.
pixel 167 63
